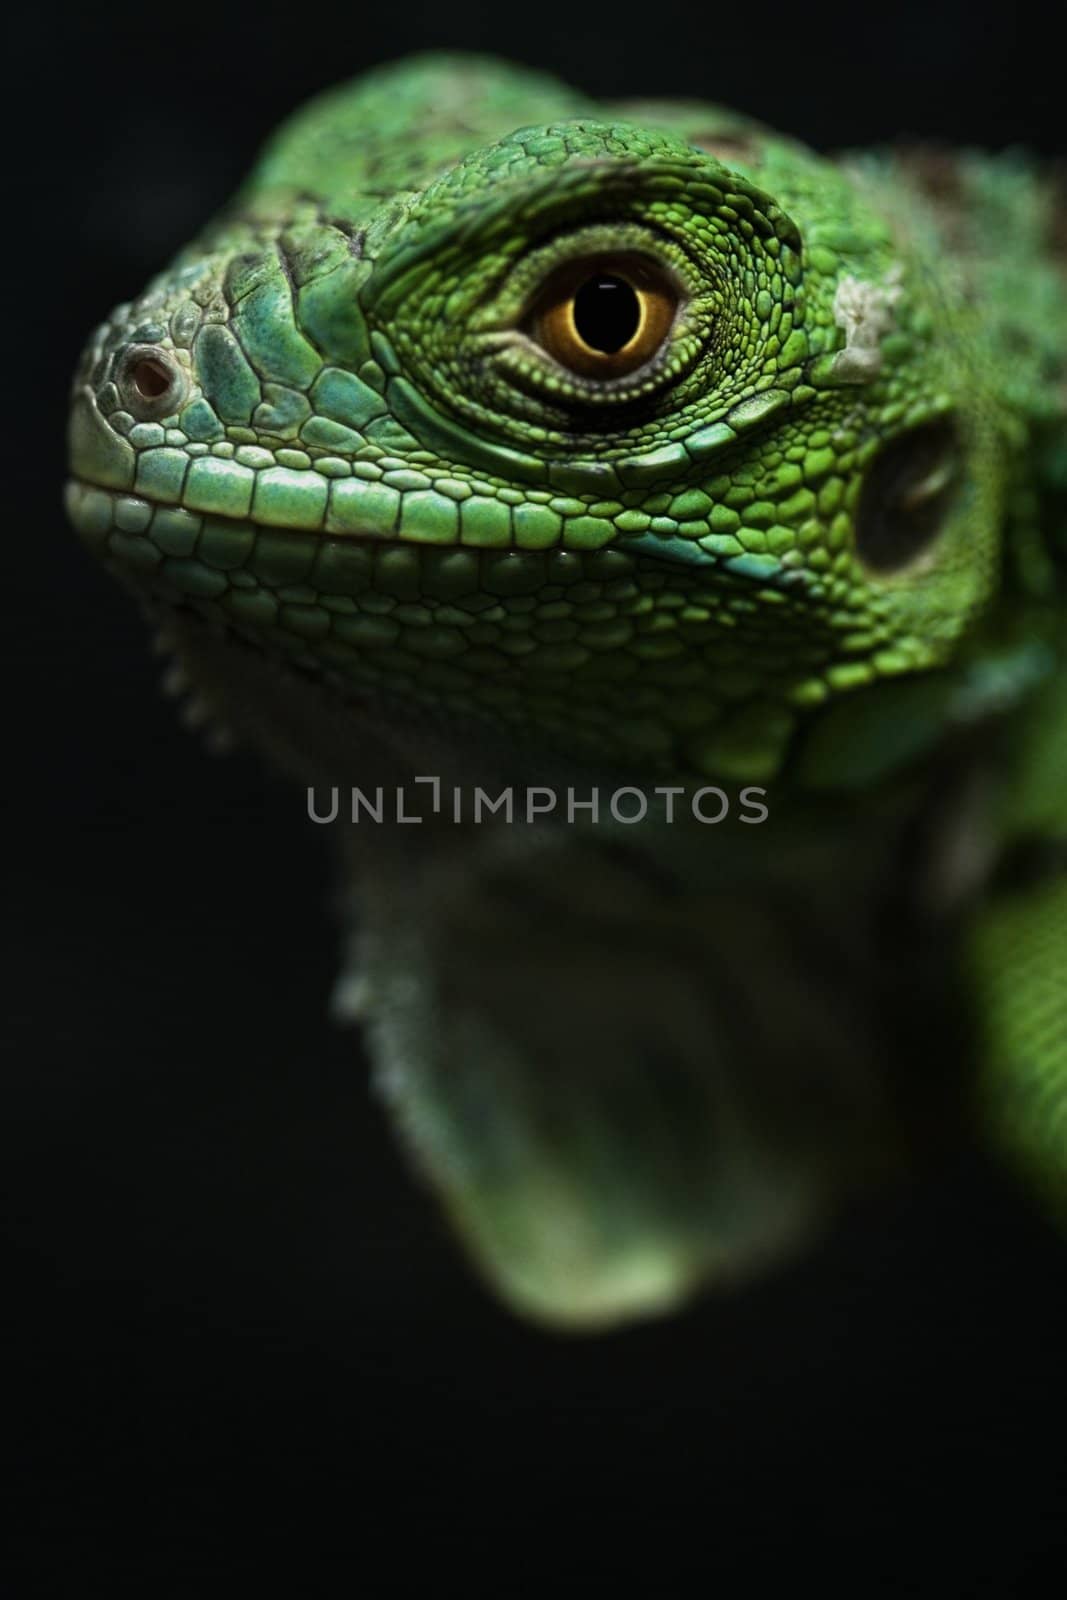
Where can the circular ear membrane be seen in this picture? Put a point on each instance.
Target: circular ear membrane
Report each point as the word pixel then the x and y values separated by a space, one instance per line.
pixel 907 495
pixel 604 318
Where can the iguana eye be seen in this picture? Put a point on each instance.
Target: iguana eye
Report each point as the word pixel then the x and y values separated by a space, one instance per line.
pixel 604 317
pixel 150 382
pixel 907 495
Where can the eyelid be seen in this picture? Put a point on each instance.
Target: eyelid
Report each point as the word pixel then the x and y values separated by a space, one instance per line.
pixel 640 265
pixel 522 281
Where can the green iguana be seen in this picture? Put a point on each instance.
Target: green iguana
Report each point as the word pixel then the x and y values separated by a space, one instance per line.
pixel 671 522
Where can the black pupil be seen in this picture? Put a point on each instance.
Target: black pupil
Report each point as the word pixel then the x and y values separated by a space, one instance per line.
pixel 606 313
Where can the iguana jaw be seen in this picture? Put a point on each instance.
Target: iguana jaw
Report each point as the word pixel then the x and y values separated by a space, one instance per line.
pixel 570 649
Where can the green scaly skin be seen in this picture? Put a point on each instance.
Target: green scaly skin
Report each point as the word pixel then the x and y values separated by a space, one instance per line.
pixel 815 544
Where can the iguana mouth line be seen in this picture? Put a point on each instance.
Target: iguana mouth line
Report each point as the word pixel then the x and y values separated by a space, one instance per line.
pixel 134 503
pixel 99 511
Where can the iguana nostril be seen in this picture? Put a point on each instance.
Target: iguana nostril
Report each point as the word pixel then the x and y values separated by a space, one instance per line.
pixel 150 382
pixel 150 378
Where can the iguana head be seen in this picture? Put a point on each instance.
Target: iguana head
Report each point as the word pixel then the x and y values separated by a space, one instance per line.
pixel 637 434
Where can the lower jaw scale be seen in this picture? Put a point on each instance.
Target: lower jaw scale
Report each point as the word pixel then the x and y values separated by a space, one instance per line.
pixel 603 654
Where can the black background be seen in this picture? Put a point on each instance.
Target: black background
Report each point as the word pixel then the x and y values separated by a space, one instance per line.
pixel 236 1325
